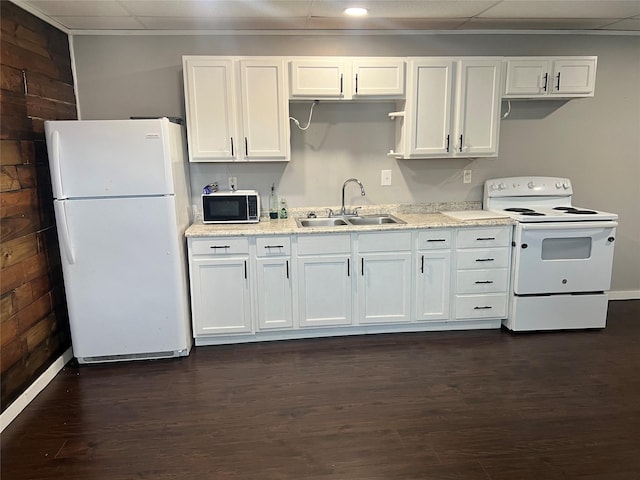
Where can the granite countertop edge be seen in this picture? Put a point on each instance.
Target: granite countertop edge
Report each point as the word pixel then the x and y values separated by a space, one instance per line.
pixel 416 216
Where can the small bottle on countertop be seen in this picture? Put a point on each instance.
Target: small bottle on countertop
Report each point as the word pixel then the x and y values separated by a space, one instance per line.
pixel 273 203
pixel 283 207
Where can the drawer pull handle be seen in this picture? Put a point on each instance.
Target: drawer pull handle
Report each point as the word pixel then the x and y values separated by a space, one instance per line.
pixel 274 246
pixel 486 307
pixel 437 240
pixel 220 246
pixel 485 238
pixel 484 281
pixel 485 259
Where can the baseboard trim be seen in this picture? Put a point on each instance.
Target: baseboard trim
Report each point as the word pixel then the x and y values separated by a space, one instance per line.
pixel 20 403
pixel 624 295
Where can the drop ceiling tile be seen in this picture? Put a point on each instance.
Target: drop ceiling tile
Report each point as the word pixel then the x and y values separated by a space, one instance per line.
pixel 100 23
pixel 208 23
pixel 331 23
pixel 535 23
pixel 404 8
pixel 79 8
pixel 218 8
pixel 563 9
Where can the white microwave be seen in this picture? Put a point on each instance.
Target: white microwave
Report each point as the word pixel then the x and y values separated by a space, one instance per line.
pixel 240 206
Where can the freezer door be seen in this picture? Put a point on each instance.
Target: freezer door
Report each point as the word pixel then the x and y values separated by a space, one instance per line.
pixel 109 158
pixel 125 276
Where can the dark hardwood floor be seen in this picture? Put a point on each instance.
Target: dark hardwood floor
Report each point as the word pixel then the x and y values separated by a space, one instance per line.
pixel 486 405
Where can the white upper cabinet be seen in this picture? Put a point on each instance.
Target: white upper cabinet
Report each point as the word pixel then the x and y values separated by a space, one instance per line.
pixel 452 109
pixel 237 110
pixel 549 77
pixel 347 78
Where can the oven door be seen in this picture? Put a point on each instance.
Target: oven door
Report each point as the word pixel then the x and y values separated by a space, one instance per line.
pixel 563 257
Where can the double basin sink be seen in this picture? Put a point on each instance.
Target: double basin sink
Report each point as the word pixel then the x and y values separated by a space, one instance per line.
pixel 384 219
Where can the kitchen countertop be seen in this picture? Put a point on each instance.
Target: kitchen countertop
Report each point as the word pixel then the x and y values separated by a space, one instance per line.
pixel 420 216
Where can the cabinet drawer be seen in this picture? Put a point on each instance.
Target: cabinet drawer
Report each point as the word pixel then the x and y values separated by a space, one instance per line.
pixel 482 281
pixel 219 246
pixel 481 306
pixel 434 239
pixel 273 246
pixel 484 237
pixel 324 244
pixel 384 242
pixel 483 258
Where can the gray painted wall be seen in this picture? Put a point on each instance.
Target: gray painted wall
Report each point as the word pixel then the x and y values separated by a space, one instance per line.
pixel 595 141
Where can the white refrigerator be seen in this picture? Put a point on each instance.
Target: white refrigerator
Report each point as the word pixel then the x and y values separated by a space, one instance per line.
pixel 122 205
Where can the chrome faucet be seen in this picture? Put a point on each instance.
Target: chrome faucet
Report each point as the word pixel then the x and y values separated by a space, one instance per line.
pixel 343 210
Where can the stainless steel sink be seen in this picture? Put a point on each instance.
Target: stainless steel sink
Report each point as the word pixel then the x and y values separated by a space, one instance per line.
pixel 320 222
pixel 342 221
pixel 375 220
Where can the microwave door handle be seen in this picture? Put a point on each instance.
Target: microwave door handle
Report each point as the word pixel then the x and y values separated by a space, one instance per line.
pixel 568 225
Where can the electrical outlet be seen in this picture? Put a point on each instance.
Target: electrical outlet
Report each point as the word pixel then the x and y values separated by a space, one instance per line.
pixel 466 178
pixel 233 183
pixel 385 177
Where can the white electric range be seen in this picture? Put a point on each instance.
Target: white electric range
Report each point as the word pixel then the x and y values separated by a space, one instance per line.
pixel 562 254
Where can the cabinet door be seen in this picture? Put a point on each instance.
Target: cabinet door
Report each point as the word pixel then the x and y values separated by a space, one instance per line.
pixel 325 291
pixel 378 78
pixel 220 296
pixel 433 285
pixel 210 108
pixel 529 77
pixel 273 277
pixel 429 108
pixel 574 77
pixel 478 108
pixel 318 78
pixel 265 110
pixel 384 288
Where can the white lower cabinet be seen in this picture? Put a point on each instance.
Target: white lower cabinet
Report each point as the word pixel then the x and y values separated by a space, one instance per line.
pixel 220 293
pixel 483 257
pixel 384 277
pixel 325 280
pixel 433 275
pixel 274 298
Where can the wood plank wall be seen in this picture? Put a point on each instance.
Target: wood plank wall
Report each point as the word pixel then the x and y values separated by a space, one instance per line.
pixel 36 84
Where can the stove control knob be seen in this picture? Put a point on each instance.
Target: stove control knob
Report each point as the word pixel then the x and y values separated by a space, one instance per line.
pixel 531 185
pixel 558 185
pixel 493 186
pixel 566 185
pixel 502 186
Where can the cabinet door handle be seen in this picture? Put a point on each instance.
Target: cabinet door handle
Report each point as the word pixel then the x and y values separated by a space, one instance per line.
pixel 274 246
pixel 245 269
pixel 436 240
pixel 558 84
pixel 546 81
pixel 287 263
pixel 485 259
pixel 246 146
pixel 486 307
pixel 348 267
pixel 362 267
pixel 484 281
pixel 461 142
pixel 483 239
pixel 422 264
pixel 219 246
pixel 448 138
pixel 232 153
pixel 341 82
pixel 356 83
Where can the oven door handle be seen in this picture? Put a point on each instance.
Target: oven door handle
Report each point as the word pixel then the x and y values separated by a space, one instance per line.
pixel 567 225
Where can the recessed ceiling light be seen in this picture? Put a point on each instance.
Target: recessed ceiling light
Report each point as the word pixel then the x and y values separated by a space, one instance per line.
pixel 356 11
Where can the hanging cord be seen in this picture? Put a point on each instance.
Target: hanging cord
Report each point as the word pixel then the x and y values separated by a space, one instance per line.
pixel 508 112
pixel 315 102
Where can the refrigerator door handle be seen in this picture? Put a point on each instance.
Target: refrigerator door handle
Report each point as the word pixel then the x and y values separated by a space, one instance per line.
pixel 63 231
pixel 56 174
